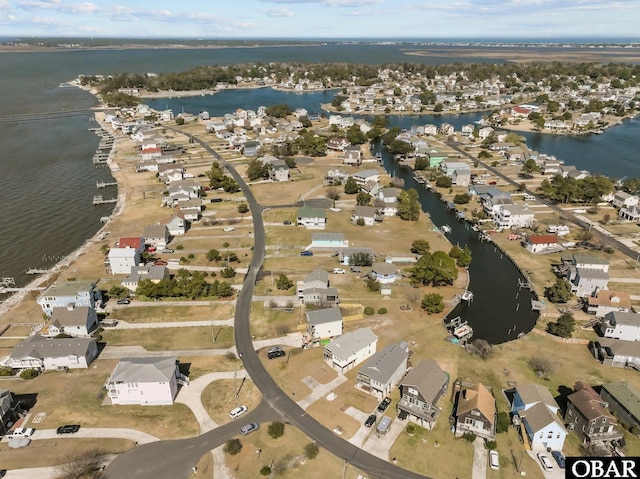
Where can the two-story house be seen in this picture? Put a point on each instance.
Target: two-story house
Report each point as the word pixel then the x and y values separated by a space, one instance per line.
pixel 76 321
pixel 62 294
pixel 311 218
pixel 420 392
pixel 47 354
pixel 621 325
pixel 324 325
pixel 476 412
pixel 606 301
pixel 347 351
pixel 384 370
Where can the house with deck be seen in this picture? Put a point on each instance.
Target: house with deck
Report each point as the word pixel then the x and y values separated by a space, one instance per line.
pixel 542 244
pixel 347 351
pixel 63 294
pixel 623 401
pixel 476 412
pixel 383 371
pixel 156 236
pixel 365 213
pixel 621 325
pixel 323 325
pixel 387 203
pixel 311 218
pixel 48 354
pixel 148 381
pixel 605 301
pixel 76 321
pixel 420 391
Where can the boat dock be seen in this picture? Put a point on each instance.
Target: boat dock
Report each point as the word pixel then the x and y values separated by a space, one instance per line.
pixel 37 271
pixel 104 184
pixel 99 200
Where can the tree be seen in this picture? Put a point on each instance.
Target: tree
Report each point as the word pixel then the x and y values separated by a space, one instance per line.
pixel 363 198
pixel 482 348
pixel 283 282
pixel 420 246
pixel 484 155
pixel 408 205
pixel 361 259
pixel 503 422
pixel 280 110
pixel 351 187
pixel 360 221
pixel 228 272
pixel 82 465
pixel 118 292
pixel 311 450
pixel 462 199
pixel 332 193
pixel 257 169
pixel 355 135
pixel 373 285
pixel 443 182
pixel 213 255
pixel 433 303
pixel 559 292
pixel 529 167
pixel 422 163
pixel 542 366
pixel 276 429
pixel 436 269
pixel 243 208
pixel 563 327
pixel 233 447
pixel 461 255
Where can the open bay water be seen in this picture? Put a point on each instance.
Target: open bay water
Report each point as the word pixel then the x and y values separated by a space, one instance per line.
pixel 47 179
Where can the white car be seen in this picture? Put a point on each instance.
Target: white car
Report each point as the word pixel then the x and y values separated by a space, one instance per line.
pixel 338 271
pixel 22 432
pixel 494 460
pixel 228 229
pixel 545 461
pixel 237 412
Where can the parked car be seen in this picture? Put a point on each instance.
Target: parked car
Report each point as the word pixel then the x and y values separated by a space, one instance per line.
pixel 338 271
pixel 371 420
pixel 124 301
pixel 286 222
pixel 167 251
pixel 382 407
pixel 237 412
pixel 494 460
pixel 160 262
pixel 306 253
pixel 68 429
pixel 249 428
pixel 22 432
pixel 544 460
pixel 560 459
pixel 275 352
pixel 228 229
pixel 356 269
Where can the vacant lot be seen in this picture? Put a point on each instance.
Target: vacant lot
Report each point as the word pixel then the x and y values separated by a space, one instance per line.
pixel 172 339
pixel 157 313
pixel 219 397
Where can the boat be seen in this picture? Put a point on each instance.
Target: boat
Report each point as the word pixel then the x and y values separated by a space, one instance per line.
pixel 445 229
pixel 463 332
pixel 467 296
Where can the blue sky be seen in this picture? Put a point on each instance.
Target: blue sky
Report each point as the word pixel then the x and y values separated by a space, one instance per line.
pixel 224 19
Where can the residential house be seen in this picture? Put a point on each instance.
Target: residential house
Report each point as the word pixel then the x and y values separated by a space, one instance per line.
pixel 347 351
pixel 476 412
pixel 337 144
pixel 145 381
pixel 153 273
pixel 449 167
pixel 461 176
pixel 311 218
pixel 170 173
pixel 321 297
pixel 622 199
pixel 352 156
pixel 345 255
pixel 623 401
pixel 177 225
pixel 76 321
pixel 318 278
pixel 586 273
pixel 388 201
pixel 605 301
pixel 420 391
pixel 47 354
pixel 62 294
pixel 121 260
pixel 366 176
pixel 514 216
pixel 384 370
pixel 588 418
pixel 329 240
pixel 324 325
pixel 621 325
pixel 366 213
pixel 538 412
pixel 279 171
pixel 385 273
pixel 252 148
pixel 156 236
pixel 542 244
pixel 616 353
pixel 10 410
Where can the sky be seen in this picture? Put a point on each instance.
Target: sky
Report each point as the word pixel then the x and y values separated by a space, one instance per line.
pixel 321 19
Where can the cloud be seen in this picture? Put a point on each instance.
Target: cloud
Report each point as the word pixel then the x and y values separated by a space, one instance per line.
pixel 329 3
pixel 56 5
pixel 277 12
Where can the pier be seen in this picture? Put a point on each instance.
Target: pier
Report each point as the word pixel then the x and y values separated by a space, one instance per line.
pixel 104 184
pixel 99 200
pixel 37 271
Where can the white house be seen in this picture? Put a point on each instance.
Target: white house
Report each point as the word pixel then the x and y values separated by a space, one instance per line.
pixel 621 325
pixel 329 240
pixel 587 274
pixel 514 216
pixel 156 236
pixel 384 370
pixel 145 381
pixel 366 213
pixel 76 321
pixel 537 244
pixel 78 293
pixel 311 218
pixel 324 325
pixel 385 273
pixel 538 412
pixel 347 351
pixel 389 201
pixel 622 199
pixel 121 260
pixel 43 353
pixel 366 176
pixel 606 301
pixel 151 272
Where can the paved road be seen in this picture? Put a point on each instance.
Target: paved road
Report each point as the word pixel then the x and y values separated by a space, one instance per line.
pixel 174 459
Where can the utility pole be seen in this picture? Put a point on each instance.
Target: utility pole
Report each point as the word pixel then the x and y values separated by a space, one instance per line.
pixel 213 336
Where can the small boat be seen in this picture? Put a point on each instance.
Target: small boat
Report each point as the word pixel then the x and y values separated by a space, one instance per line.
pixel 463 332
pixel 445 229
pixel 467 296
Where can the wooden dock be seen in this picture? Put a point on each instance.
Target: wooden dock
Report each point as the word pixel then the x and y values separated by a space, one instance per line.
pixel 37 271
pixel 99 200
pixel 104 184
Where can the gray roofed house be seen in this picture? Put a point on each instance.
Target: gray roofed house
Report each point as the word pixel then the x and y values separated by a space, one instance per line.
pixel 62 294
pixel 77 321
pixel 145 381
pixel 347 351
pixel 384 272
pixel 623 401
pixel 384 370
pixel 586 280
pixel 50 354
pixel 324 325
pixel 346 254
pixel 621 325
pixel 156 235
pixel 617 353
pixel 364 176
pixel 151 272
pixel 318 278
pixel 538 411
pixel 367 213
pixel 420 391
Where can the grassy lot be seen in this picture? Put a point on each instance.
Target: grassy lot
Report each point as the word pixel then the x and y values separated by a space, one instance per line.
pixel 201 365
pixel 219 398
pixel 157 313
pixel 205 467
pixel 171 339
pixel 53 452
pixel 267 323
pixel 285 453
pixel 75 398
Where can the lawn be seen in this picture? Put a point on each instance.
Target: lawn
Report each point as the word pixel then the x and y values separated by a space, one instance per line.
pixel 219 397
pixel 201 365
pixel 172 339
pixel 270 323
pixel 157 313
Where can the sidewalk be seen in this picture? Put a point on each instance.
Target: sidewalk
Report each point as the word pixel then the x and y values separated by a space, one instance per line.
pixel 480 455
pixel 171 324
pixel 319 391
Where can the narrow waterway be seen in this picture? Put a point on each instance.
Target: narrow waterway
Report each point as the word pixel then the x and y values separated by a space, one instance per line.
pixel 500 310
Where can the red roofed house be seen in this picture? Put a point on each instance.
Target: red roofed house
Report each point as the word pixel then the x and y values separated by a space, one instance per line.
pixel 542 243
pixel 519 112
pixel 135 242
pixel 150 153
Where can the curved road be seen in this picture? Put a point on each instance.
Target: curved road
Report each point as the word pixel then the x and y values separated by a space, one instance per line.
pixel 174 459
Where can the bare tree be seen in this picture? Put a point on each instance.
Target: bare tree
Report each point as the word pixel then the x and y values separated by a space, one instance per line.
pixel 83 465
pixel 542 366
pixel 412 297
pixel 482 348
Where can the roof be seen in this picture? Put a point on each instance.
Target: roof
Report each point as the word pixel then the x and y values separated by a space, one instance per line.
pixel 144 370
pixel 609 297
pixel 40 347
pixel 542 239
pixel 150 272
pixel 327 237
pixel 588 259
pixel 309 212
pixel 518 210
pixel 540 416
pixel 623 318
pixel 366 173
pixel 381 366
pixel 345 346
pixel 428 378
pixel 384 268
pixel 625 396
pixel 153 231
pixel 587 402
pixel 531 393
pixel 364 211
pixel 390 192
pixel 322 316
pixel 130 242
pixel 317 275
pixel 123 252
pixel 479 398
pixel 592 273
pixel 619 347
pixel 70 316
pixel 68 288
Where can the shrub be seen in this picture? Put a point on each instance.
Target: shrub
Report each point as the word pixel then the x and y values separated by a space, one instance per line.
pixel 179 247
pixel 233 447
pixel 491 445
pixel 6 371
pixel 469 436
pixel 360 221
pixel 311 450
pixel 29 373
pixel 191 256
pixel 265 471
pixel 276 429
pixel 369 311
pixel 382 311
pixel 411 429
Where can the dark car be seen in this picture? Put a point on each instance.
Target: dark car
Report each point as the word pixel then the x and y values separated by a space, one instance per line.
pixel 306 253
pixel 275 353
pixel 382 407
pixel 124 301
pixel 68 429
pixel 286 222
pixel 559 457
pixel 371 420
